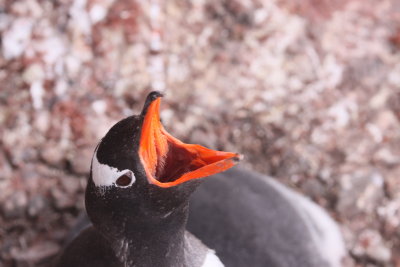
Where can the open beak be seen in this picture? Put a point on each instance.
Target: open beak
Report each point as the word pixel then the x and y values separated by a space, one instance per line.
pixel 168 161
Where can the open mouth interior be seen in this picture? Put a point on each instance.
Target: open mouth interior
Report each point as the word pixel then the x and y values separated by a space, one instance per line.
pixel 169 162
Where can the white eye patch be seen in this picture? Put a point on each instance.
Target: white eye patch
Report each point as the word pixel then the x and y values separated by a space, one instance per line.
pixel 104 175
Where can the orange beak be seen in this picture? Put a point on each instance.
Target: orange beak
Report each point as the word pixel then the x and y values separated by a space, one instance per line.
pixel 169 162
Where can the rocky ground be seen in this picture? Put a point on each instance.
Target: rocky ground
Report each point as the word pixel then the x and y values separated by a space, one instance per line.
pixel 308 91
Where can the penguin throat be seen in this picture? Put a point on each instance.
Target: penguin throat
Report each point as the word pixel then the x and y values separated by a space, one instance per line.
pixel 169 162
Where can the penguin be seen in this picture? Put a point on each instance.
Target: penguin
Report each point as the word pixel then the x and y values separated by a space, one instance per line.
pixel 137 197
pixel 247 218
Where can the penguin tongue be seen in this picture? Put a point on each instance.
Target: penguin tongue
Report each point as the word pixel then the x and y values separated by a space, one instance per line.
pixel 168 161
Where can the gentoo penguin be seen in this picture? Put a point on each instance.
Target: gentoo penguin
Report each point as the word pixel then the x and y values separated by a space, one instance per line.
pixel 249 219
pixel 137 197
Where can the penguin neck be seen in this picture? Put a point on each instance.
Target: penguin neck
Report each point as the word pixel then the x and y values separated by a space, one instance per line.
pixel 153 243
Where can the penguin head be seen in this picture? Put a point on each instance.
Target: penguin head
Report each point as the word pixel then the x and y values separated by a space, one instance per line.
pixel 141 175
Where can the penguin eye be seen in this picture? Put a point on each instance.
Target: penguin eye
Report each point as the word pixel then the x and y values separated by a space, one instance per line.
pixel 105 175
pixel 124 180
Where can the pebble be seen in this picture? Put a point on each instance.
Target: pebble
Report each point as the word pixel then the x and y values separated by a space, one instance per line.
pixel 80 161
pixel 53 154
pixel 71 184
pixel 15 206
pixel 33 73
pixel 371 244
pixel 36 205
pixel 61 199
pixel 360 192
pixel 35 252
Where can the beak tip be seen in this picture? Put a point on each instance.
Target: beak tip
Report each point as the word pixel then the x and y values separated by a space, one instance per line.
pixel 151 97
pixel 154 95
pixel 237 158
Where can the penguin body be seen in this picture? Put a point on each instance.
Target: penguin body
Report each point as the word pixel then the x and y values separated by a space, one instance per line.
pixel 252 220
pixel 91 249
pixel 95 248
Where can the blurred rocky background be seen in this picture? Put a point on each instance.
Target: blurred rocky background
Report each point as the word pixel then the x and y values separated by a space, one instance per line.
pixel 307 90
